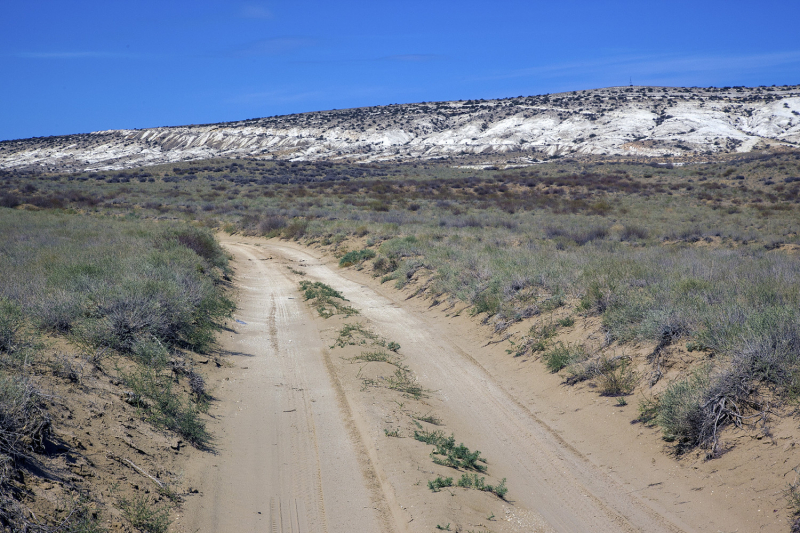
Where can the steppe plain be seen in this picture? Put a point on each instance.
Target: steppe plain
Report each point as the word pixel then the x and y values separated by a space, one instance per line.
pixel 315 322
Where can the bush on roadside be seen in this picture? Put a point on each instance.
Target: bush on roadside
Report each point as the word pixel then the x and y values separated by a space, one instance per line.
pixel 356 256
pixel 562 355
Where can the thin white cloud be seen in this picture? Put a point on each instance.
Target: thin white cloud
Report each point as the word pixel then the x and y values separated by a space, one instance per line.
pixel 256 11
pixel 413 58
pixel 655 65
pixel 70 55
pixel 272 97
pixel 273 47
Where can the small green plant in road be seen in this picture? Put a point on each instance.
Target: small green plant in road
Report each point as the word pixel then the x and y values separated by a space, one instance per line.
pixel 439 483
pixel 392 433
pixel 429 418
pixel 380 357
pixel 325 299
pixel 404 382
pixel 355 335
pixel 393 346
pixel 473 481
pixel 443 528
pixel 432 437
pixel 458 457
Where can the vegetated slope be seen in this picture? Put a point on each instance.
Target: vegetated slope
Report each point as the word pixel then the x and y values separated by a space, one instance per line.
pixel 94 311
pixel 637 121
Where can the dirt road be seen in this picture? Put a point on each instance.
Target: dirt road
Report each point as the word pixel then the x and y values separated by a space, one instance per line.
pixel 285 459
pixel 303 441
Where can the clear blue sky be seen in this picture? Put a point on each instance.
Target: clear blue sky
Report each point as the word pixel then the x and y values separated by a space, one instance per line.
pixel 79 66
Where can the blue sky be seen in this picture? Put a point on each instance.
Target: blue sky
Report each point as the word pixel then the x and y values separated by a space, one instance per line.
pixel 79 66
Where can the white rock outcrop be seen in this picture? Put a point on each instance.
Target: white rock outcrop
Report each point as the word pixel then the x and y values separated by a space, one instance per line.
pixel 640 121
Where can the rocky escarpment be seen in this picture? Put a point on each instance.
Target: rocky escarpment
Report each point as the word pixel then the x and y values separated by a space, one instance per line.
pixel 639 121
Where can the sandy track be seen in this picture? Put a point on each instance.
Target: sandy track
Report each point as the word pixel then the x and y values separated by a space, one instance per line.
pixel 285 446
pixel 298 452
pixel 547 476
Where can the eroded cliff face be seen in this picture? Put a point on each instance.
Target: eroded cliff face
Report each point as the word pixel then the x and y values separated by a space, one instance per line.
pixel 640 121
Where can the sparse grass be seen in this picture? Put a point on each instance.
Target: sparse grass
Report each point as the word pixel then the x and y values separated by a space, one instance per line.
pixel 153 391
pixel 381 357
pixel 429 418
pixel 356 335
pixel 562 355
pixel 616 377
pixel 403 381
pixel 144 515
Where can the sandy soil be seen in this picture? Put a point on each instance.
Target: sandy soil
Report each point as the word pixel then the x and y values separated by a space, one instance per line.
pixel 311 440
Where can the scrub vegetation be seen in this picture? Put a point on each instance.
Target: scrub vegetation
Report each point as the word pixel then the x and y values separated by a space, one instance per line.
pixel 696 257
pixel 132 297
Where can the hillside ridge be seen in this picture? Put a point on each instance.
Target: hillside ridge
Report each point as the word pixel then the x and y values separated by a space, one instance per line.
pixel 616 121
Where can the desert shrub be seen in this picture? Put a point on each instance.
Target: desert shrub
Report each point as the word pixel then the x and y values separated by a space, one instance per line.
pixel 271 224
pixel 680 408
pixel 113 282
pixel 144 515
pixel 11 324
pixel 616 377
pixel 24 423
pixel 562 355
pixel 201 242
pixel 355 256
pixel 295 229
pixel 383 265
pixel 439 483
pixel 633 232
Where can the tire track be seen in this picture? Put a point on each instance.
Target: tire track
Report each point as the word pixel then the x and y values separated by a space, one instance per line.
pixel 283 447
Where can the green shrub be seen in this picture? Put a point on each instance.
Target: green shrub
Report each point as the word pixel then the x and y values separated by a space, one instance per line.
pixel 439 483
pixel 616 377
pixel 355 257
pixel 562 355
pixel 325 299
pixel 201 242
pixel 680 408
